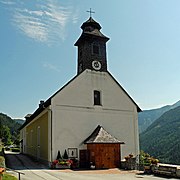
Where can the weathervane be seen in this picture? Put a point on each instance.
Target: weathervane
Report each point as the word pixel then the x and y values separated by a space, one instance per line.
pixel 90 12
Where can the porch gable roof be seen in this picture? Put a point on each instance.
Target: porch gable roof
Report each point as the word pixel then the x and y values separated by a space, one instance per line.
pixel 100 135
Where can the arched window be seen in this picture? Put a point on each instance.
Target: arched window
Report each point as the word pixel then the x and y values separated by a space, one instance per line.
pixel 97 97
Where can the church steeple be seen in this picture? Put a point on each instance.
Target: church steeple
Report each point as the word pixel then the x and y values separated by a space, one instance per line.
pixel 91 47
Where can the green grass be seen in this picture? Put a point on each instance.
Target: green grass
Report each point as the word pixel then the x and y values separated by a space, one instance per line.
pixel 7 176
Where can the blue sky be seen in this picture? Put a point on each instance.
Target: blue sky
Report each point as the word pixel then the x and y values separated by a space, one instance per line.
pixel 38 55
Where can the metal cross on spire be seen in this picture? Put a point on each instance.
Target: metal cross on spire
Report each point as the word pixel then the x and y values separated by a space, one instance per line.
pixel 90 12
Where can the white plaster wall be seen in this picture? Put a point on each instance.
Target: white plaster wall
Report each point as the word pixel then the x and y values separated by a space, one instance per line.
pixel 74 117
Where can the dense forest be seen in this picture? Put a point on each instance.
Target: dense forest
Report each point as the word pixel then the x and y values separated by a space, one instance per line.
pixel 161 139
pixel 9 133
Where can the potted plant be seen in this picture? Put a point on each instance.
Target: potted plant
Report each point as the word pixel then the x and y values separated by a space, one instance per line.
pixel 75 163
pixel 60 162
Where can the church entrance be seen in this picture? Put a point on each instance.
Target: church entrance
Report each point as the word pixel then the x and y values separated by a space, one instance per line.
pixel 104 155
pixel 104 149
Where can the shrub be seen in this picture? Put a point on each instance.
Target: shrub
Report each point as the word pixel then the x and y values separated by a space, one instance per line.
pixel 2 161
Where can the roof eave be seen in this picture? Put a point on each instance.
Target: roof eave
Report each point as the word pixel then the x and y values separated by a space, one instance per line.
pixel 45 105
pixel 138 108
pixel 104 142
pixel 36 113
pixel 84 35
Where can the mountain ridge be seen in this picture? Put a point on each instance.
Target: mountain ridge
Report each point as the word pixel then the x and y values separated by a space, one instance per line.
pixel 161 138
pixel 20 121
pixel 147 117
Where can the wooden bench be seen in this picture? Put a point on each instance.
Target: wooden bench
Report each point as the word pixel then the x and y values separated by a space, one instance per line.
pixel 166 169
pixel 168 173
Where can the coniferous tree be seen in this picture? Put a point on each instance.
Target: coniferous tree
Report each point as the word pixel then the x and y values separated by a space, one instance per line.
pixel 65 156
pixel 59 155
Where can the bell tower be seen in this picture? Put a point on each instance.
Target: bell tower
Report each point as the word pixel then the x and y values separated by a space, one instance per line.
pixel 91 47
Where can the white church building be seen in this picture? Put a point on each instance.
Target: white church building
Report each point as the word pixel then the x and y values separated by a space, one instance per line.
pixel 91 117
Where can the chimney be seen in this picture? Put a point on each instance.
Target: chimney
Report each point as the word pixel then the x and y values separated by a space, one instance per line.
pixel 27 117
pixel 41 103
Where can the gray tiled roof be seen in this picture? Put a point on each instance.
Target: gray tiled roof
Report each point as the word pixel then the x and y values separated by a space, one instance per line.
pixel 100 135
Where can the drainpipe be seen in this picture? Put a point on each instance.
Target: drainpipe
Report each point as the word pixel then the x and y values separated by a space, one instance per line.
pixel 51 137
pixel 50 134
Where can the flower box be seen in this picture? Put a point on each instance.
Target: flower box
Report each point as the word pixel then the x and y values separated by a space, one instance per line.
pixel 60 166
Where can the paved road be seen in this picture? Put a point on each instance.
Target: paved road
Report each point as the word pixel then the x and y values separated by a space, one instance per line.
pixel 36 171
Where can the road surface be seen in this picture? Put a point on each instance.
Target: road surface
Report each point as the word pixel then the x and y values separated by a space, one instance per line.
pixel 36 171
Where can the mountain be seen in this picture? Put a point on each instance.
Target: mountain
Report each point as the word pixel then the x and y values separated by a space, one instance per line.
pixel 7 121
pixel 161 138
pixel 20 121
pixel 147 117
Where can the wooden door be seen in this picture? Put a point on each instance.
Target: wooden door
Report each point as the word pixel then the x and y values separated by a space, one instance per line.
pixel 105 155
pixel 108 156
pixel 84 158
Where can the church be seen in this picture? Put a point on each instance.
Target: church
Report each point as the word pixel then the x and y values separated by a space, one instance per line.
pixel 91 117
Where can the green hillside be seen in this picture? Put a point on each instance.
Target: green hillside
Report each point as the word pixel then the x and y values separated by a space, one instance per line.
pixel 161 139
pixel 8 129
pixel 7 121
pixel 147 117
pixel 20 121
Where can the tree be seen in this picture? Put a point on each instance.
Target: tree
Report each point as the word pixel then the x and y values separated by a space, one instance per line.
pixel 6 135
pixel 65 156
pixel 59 155
pixel 16 138
pixel 1 128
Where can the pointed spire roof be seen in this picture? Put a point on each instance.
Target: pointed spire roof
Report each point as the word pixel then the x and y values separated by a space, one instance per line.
pixel 100 135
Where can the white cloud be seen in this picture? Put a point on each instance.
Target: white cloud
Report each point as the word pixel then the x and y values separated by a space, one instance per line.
pixel 75 16
pixel 45 22
pixel 50 66
pixel 31 26
pixel 7 2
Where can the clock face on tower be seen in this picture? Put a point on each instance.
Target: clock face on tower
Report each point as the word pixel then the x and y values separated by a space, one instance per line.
pixel 96 65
